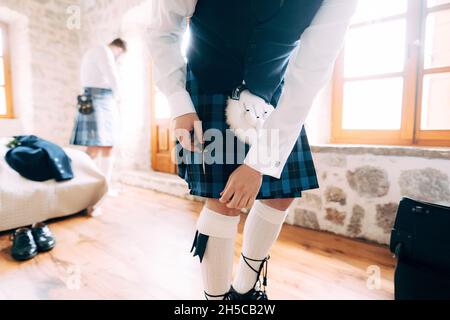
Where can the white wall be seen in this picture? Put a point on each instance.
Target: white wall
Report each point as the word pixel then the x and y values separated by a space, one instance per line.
pixel 135 130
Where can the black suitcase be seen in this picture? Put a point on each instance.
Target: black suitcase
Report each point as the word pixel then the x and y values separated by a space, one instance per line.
pixel 421 242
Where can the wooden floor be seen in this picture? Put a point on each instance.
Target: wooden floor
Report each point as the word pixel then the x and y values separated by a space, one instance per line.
pixel 139 249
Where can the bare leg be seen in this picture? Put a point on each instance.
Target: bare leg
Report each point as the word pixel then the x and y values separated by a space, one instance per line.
pixel 106 151
pixel 217 206
pixel 93 152
pixel 279 204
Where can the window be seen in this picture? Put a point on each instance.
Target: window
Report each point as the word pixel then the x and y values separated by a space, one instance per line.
pixel 392 80
pixel 5 75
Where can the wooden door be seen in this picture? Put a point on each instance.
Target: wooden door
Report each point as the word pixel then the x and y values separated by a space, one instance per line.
pixel 163 143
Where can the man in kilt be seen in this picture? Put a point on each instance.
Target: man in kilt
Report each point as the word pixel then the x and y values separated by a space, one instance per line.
pixel 100 82
pixel 271 52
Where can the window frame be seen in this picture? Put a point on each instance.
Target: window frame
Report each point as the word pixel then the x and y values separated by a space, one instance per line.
pixel 7 70
pixel 429 137
pixel 409 134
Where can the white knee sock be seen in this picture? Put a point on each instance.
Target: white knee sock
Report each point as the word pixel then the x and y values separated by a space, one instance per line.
pixel 217 264
pixel 98 162
pixel 107 167
pixel 262 228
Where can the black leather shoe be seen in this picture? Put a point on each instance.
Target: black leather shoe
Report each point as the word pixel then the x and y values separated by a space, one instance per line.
pixel 44 238
pixel 252 295
pixel 24 247
pixel 225 297
pixel 256 294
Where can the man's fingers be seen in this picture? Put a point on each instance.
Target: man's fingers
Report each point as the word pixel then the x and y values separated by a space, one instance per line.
pixel 198 131
pixel 250 203
pixel 233 204
pixel 184 138
pixel 186 144
pixel 187 141
pixel 227 194
pixel 243 203
pixel 195 147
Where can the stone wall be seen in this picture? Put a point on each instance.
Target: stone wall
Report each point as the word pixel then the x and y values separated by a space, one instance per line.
pixel 45 64
pixel 360 188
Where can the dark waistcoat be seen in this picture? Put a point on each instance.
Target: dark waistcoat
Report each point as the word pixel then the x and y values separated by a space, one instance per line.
pixel 233 41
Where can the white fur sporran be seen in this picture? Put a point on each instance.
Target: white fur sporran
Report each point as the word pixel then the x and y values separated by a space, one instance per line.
pixel 246 114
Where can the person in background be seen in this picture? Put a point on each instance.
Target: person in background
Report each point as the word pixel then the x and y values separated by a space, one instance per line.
pixel 280 52
pixel 100 80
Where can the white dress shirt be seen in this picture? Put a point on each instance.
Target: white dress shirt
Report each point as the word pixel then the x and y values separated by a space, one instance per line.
pixel 99 69
pixel 309 70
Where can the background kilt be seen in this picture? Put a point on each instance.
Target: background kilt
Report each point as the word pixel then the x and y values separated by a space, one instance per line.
pixel 98 128
pixel 298 175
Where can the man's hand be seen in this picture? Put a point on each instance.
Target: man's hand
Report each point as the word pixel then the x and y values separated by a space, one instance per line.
pixel 242 188
pixel 183 127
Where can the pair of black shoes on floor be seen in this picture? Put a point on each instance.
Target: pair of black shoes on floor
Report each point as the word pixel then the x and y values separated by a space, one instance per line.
pixel 28 242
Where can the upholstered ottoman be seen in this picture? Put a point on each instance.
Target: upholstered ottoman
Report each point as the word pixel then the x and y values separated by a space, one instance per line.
pixel 24 202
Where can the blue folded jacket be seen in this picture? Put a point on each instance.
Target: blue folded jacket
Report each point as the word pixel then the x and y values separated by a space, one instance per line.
pixel 39 160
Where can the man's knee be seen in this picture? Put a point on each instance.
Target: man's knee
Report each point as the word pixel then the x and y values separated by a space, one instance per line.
pixel 217 206
pixel 93 152
pixel 279 204
pixel 106 151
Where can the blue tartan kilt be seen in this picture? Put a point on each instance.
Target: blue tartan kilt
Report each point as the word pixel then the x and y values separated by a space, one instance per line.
pixel 97 129
pixel 209 180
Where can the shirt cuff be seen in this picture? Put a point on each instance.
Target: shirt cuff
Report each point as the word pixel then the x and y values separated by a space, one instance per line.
pixel 180 104
pixel 259 159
